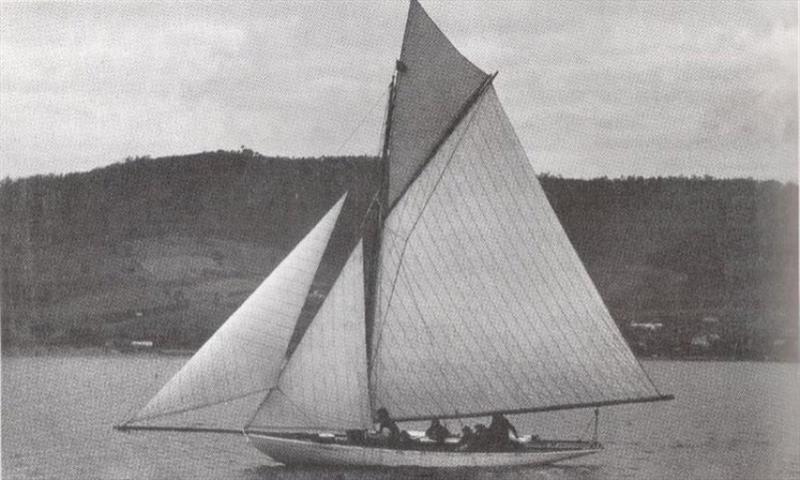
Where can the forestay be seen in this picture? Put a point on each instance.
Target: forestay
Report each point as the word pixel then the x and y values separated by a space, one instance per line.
pixel 230 374
pixel 483 304
pixel 434 82
pixel 324 385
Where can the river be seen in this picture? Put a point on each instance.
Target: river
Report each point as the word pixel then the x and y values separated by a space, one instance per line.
pixel 730 420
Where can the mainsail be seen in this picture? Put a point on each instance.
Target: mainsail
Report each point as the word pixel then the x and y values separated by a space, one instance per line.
pixel 483 305
pixel 232 372
pixel 324 384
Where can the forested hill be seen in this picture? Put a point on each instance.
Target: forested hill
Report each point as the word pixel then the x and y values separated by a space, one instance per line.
pixel 165 249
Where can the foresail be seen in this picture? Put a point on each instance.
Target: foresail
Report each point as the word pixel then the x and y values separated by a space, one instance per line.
pixel 483 304
pixel 434 82
pixel 230 374
pixel 324 385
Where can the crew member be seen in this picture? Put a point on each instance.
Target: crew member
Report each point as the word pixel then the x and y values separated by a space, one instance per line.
pixel 437 431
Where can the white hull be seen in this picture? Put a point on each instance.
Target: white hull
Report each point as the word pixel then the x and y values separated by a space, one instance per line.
pixel 303 452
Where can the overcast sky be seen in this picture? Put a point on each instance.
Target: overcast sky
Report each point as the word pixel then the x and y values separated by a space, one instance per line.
pixel 645 88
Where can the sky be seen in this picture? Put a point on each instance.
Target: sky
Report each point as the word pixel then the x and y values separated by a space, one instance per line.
pixel 592 88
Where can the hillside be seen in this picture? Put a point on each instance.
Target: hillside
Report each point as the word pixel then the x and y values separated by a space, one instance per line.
pixel 164 249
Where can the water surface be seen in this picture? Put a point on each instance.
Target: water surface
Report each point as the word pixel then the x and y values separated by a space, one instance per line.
pixel 730 420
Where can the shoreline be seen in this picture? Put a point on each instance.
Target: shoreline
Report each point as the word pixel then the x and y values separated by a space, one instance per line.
pixel 72 351
pixel 66 350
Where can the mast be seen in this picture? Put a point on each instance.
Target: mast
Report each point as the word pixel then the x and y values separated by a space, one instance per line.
pixel 481 305
pixel 373 227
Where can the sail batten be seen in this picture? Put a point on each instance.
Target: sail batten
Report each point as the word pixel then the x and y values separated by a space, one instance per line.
pixel 229 375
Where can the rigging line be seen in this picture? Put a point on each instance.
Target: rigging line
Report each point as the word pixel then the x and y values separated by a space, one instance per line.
pixel 361 122
pixel 433 276
pixel 471 115
pixel 372 203
pixel 258 408
pixel 462 288
pixel 470 231
pixel 464 247
pixel 402 335
pixel 468 105
pixel 430 336
pixel 300 410
pixel 437 277
pixel 195 407
pixel 403 366
pixel 514 302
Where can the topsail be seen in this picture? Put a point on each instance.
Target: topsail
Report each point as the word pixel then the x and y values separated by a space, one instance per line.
pixel 434 81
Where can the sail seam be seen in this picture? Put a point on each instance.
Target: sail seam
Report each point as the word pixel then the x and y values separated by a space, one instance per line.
pixel 411 230
pixel 473 266
pixel 450 296
pixel 465 109
pixel 589 290
pixel 546 291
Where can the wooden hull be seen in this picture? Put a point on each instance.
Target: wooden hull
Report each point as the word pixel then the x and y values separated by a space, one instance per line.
pixel 292 451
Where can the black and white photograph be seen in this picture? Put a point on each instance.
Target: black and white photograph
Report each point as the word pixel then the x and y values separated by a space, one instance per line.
pixel 399 239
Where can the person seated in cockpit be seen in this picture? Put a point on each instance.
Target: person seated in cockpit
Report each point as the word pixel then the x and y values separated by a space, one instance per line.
pixel 437 432
pixel 396 437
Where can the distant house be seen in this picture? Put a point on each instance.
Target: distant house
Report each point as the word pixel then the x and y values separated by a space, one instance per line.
pixel 650 326
pixel 701 341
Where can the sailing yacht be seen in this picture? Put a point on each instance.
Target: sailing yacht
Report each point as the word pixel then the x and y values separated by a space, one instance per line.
pixel 462 299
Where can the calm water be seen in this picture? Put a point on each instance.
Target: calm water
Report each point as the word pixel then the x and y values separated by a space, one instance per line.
pixel 729 421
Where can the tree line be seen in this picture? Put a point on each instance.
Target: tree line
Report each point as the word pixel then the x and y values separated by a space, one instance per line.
pixel 706 258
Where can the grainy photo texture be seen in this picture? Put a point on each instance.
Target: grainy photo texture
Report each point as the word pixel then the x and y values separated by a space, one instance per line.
pixel 407 239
